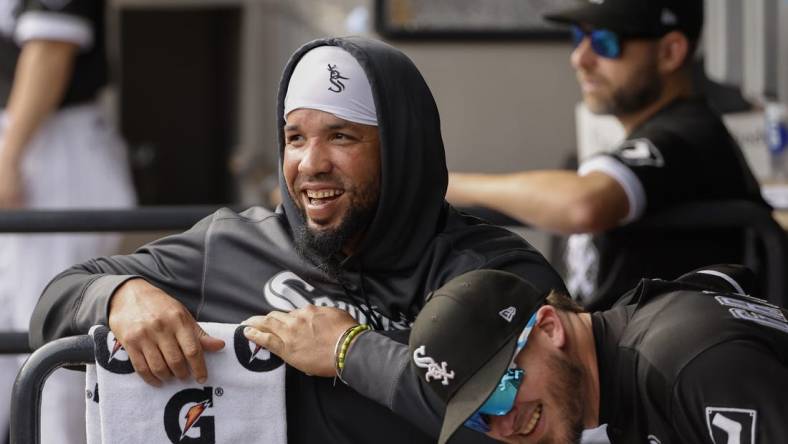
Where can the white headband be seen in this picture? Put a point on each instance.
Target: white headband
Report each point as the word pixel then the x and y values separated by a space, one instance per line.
pixel 329 79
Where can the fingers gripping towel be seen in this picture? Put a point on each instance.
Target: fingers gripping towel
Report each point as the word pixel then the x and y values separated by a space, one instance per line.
pixel 243 400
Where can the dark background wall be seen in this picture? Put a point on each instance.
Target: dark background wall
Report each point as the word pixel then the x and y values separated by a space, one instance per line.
pixel 178 94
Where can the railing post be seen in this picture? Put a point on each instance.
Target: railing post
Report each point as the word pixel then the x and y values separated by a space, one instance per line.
pixel 26 394
pixel 14 342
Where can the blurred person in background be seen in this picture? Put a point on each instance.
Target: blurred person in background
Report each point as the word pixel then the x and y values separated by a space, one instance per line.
pixel 57 151
pixel 633 60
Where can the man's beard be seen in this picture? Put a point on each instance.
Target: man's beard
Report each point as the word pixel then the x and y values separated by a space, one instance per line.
pixel 568 393
pixel 322 246
pixel 643 90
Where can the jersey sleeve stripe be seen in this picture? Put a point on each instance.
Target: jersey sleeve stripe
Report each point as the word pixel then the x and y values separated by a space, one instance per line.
pixel 636 194
pixel 726 278
pixel 44 25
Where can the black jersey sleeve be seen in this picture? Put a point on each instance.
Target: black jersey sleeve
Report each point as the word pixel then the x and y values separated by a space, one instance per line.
pixel 72 21
pixel 733 392
pixel 664 165
pixel 655 168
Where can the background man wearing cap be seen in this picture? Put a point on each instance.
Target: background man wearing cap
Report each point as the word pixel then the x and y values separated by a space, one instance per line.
pixel 692 360
pixel 362 236
pixel 633 60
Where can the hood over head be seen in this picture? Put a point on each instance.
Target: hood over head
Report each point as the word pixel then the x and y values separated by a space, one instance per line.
pixel 413 163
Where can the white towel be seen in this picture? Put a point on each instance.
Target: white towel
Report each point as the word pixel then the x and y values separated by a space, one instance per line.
pixel 243 400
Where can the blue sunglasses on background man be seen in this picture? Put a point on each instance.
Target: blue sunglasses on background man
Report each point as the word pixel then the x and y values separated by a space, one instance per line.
pixel 605 43
pixel 501 401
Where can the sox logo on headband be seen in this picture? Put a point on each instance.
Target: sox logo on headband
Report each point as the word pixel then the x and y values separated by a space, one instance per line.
pixel 336 79
pixel 330 79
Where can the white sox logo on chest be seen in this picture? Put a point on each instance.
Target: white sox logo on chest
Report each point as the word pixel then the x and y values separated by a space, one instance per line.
pixel 287 291
pixel 434 370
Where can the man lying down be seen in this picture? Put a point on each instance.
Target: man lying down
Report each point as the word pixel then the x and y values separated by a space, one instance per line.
pixel 696 360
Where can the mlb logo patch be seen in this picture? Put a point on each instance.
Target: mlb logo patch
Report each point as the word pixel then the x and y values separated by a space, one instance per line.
pixel 729 425
pixel 640 152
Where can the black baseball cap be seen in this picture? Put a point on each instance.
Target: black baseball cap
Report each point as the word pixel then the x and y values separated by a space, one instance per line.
pixel 643 18
pixel 464 339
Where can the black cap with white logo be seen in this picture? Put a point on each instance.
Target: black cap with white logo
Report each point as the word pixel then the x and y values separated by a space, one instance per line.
pixel 464 339
pixel 644 18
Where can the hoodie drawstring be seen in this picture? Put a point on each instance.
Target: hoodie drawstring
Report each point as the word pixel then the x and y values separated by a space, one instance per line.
pixel 372 315
pixel 365 305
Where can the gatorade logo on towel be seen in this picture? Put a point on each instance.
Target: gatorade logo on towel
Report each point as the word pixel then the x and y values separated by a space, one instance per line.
pixel 252 356
pixel 187 419
pixel 110 353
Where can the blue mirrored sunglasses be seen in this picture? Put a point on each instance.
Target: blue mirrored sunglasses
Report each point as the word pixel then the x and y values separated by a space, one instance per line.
pixel 501 401
pixel 604 43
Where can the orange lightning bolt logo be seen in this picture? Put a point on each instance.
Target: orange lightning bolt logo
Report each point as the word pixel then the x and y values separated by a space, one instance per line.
pixel 115 347
pixel 254 353
pixel 193 415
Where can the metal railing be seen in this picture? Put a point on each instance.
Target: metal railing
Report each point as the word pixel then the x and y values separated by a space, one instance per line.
pixel 90 221
pixel 26 394
pixel 14 342
pixel 697 216
pixel 138 219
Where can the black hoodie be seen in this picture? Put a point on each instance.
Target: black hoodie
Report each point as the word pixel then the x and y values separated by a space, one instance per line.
pixel 231 266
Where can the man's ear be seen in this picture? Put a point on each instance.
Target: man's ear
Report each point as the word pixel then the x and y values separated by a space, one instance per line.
pixel 673 52
pixel 552 325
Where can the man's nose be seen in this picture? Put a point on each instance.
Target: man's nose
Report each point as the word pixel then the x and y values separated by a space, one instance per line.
pixel 315 160
pixel 583 56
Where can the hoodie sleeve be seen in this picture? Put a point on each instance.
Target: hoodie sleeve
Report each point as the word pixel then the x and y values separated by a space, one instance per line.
pixel 377 367
pixel 78 298
pixel 377 364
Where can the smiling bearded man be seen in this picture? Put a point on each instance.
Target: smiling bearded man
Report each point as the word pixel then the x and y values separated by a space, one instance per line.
pixel 363 235
pixel 331 160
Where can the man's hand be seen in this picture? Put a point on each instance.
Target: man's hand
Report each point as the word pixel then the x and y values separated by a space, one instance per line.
pixel 159 334
pixel 304 338
pixel 11 188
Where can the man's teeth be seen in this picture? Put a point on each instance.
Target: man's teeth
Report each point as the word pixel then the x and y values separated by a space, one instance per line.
pixel 534 420
pixel 322 194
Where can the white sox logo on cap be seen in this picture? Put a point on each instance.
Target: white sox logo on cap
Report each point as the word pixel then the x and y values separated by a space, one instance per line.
pixel 434 371
pixel 668 17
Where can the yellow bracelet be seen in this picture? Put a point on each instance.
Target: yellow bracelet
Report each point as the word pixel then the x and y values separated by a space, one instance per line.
pixel 340 352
